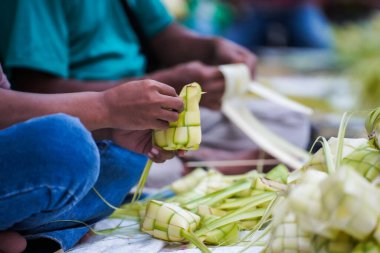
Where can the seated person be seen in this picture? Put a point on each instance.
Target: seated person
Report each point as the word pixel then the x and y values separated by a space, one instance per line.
pixel 49 161
pixel 302 21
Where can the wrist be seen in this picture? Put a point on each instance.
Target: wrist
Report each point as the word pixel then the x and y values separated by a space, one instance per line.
pixel 104 111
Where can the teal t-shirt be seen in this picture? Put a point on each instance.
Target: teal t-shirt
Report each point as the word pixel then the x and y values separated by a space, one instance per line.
pixel 81 39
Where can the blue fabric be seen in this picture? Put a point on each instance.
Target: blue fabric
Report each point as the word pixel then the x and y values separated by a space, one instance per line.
pixel 79 39
pixel 305 25
pixel 48 167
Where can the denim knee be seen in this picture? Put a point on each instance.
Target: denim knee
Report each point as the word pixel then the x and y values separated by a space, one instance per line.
pixel 48 164
pixel 59 150
pixel 71 150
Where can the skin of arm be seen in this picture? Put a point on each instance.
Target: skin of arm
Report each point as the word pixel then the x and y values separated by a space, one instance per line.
pixel 107 113
pixel 88 106
pixel 41 82
pixel 190 46
pixel 195 59
pixel 97 110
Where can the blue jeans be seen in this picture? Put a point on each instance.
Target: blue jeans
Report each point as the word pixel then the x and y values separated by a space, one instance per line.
pixel 305 26
pixel 48 167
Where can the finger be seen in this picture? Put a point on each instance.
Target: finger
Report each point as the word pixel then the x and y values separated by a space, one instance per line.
pixel 252 65
pixel 242 55
pixel 160 124
pixel 214 88
pixel 167 115
pixel 211 73
pixel 238 57
pixel 166 90
pixel 181 153
pixel 159 155
pixel 172 103
pixel 250 60
pixel 146 140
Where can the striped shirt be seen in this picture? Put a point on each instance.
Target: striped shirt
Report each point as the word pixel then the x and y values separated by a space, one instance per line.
pixel 4 84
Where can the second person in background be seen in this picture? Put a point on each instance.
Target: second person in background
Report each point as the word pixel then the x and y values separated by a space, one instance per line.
pixel 301 22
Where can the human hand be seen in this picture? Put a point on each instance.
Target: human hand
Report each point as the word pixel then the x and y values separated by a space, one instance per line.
pixel 209 77
pixel 140 105
pixel 227 52
pixel 140 142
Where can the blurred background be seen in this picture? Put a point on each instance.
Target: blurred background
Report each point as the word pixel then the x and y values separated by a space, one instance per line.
pixel 322 53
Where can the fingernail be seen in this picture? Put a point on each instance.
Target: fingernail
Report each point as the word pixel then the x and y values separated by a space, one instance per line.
pixel 150 155
pixel 155 151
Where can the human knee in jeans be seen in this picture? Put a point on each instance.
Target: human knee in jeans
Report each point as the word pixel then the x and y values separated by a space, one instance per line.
pixel 47 165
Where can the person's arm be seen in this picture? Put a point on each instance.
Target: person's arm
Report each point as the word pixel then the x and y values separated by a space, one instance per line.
pixel 211 51
pixel 189 47
pixel 131 106
pixel 21 106
pixel 41 82
pixel 35 81
pixel 171 44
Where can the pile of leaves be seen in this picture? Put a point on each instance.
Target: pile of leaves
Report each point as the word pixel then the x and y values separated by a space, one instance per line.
pixel 358 47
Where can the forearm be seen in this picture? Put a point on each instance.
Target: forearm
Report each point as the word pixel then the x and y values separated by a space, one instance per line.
pixel 39 82
pixel 18 106
pixel 58 85
pixel 188 46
